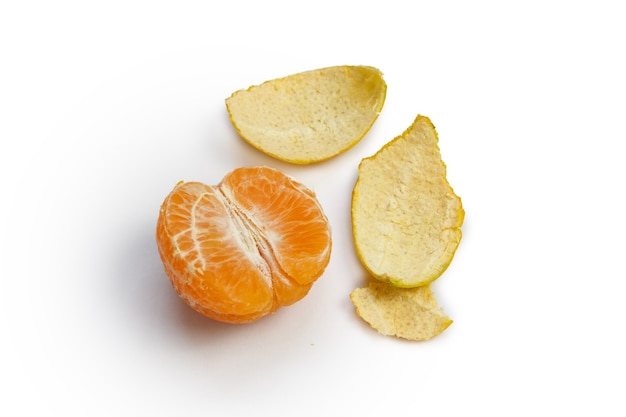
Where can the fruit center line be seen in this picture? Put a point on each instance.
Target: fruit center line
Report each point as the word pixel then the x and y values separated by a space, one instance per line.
pixel 252 238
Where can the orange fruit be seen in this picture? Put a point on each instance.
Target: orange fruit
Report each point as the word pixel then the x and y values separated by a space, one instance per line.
pixel 240 250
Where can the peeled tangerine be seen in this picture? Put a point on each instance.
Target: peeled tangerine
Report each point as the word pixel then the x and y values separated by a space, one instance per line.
pixel 310 116
pixel 406 223
pixel 240 250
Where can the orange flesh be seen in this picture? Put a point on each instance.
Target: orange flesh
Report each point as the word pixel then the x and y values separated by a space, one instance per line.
pixel 239 251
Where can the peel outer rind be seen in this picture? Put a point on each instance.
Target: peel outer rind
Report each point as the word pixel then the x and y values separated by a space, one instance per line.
pixel 406 218
pixel 310 116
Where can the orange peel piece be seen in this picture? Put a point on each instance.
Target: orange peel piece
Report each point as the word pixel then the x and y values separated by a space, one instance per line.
pixel 310 116
pixel 408 313
pixel 406 218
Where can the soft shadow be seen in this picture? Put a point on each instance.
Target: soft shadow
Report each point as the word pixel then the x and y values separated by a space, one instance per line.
pixel 229 357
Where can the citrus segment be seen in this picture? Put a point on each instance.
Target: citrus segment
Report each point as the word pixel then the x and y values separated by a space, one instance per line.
pixel 310 116
pixel 280 205
pixel 408 313
pixel 228 250
pixel 406 219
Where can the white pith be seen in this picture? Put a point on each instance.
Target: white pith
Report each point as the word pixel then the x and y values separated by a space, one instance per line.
pixel 252 239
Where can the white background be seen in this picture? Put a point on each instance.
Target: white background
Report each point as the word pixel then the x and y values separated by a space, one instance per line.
pixel 106 105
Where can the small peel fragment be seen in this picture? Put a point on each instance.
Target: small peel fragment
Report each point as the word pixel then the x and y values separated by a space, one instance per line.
pixel 407 313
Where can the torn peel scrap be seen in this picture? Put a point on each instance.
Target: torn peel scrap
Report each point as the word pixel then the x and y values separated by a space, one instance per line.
pixel 408 313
